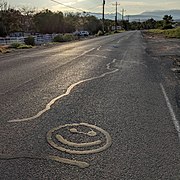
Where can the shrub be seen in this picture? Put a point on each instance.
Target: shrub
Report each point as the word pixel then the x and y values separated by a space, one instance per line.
pixel 170 33
pixel 64 38
pixel 15 45
pixel 167 26
pixel 24 46
pixel 100 33
pixel 29 41
pixel 68 37
pixel 58 38
pixel 20 46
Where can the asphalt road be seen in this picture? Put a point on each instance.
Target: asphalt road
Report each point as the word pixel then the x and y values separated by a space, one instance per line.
pixel 95 109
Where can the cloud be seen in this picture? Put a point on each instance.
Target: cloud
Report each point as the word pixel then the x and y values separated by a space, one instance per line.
pixel 59 8
pixel 131 6
pixel 137 7
pixel 140 3
pixel 84 5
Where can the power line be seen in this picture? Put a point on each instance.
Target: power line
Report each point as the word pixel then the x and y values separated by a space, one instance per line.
pixel 84 11
pixel 95 7
pixel 68 6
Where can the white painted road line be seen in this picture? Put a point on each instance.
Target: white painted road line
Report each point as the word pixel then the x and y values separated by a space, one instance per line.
pixel 172 113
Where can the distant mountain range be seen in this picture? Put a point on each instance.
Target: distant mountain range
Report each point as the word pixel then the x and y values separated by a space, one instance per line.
pixel 157 15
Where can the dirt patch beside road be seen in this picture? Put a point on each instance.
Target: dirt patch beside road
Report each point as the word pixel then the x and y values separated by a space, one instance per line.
pixel 166 51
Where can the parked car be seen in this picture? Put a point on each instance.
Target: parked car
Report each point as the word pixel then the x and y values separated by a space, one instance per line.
pixel 83 33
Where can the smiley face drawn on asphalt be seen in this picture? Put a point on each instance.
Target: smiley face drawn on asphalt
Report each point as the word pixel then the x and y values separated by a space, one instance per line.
pixel 83 138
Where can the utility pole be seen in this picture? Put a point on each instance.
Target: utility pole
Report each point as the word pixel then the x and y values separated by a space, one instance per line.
pixel 128 18
pixel 103 15
pixel 116 16
pixel 123 11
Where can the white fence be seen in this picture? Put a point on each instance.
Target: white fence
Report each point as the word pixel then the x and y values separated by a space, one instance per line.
pixel 39 39
pixel 10 40
pixel 44 38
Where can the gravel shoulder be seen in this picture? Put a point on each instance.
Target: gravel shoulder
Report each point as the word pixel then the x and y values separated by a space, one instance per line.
pixel 166 51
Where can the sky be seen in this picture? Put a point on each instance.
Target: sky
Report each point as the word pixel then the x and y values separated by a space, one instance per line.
pixel 131 6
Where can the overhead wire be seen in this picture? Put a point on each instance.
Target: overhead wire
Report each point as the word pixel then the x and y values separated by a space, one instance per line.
pixel 68 6
pixel 84 11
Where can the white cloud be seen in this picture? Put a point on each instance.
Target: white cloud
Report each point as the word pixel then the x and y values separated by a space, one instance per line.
pixel 140 3
pixel 132 6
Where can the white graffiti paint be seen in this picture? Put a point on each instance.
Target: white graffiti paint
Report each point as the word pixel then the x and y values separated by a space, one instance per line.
pixel 65 145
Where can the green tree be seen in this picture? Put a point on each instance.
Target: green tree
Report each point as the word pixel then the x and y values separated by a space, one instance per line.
pixel 10 20
pixel 167 22
pixel 125 24
pixel 93 25
pixel 107 25
pixel 159 25
pixel 48 22
pixel 3 31
pixel 72 22
pixel 135 25
pixel 149 24
pixel 27 18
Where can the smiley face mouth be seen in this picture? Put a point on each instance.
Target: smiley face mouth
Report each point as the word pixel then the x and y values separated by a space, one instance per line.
pixel 61 139
pixel 77 145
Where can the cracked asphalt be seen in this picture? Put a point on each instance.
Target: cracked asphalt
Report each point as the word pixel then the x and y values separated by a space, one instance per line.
pixel 115 90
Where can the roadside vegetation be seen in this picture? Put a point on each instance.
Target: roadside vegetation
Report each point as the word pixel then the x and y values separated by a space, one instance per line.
pixel 26 19
pixel 45 22
pixel 169 33
pixel 29 20
pixel 20 46
pixel 65 38
pixel 29 43
pixel 4 49
pixel 166 28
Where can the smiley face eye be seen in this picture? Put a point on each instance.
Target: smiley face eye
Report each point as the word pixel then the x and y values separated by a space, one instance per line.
pixel 90 133
pixel 73 130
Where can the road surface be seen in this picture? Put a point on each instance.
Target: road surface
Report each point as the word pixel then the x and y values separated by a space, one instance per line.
pixel 97 109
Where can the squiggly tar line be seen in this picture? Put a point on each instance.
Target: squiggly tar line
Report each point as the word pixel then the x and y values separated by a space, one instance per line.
pixel 68 91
